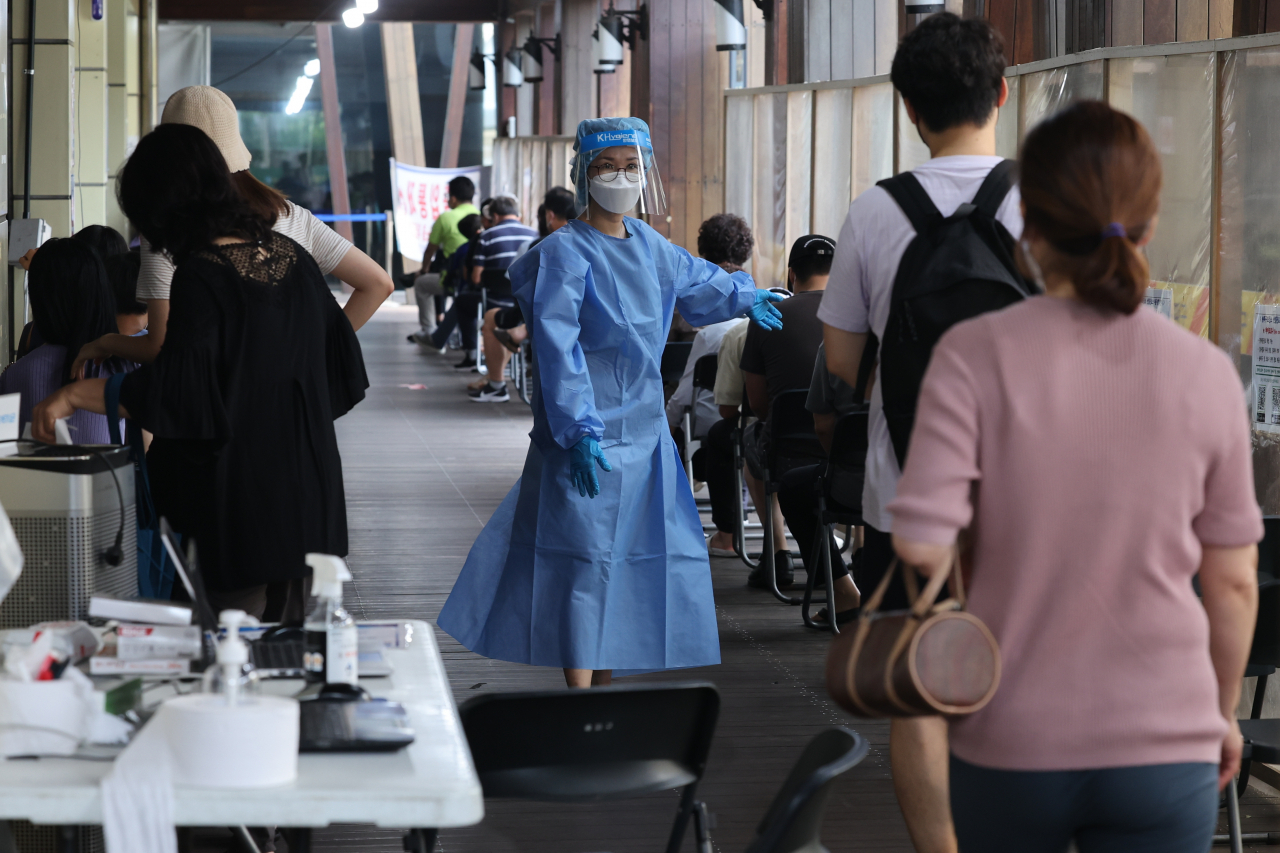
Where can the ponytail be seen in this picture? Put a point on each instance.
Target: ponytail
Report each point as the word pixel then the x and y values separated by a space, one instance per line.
pixel 1090 180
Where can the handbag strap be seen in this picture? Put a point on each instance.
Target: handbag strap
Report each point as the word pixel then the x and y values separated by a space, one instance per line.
pixel 920 601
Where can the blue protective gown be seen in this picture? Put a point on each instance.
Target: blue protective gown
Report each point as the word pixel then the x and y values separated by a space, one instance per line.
pixel 620 582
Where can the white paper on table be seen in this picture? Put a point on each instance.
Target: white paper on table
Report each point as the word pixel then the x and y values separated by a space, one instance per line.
pixel 61 432
pixel 1264 398
pixel 9 406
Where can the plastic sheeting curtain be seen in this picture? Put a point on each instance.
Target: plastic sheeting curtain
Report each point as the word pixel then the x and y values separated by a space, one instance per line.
pixel 1046 92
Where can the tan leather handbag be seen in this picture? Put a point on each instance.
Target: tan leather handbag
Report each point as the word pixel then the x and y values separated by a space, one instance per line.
pixel 930 659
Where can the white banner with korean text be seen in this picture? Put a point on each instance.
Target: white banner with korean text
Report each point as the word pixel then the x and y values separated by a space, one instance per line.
pixel 421 195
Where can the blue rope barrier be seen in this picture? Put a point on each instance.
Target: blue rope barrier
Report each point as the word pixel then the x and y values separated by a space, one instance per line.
pixel 351 217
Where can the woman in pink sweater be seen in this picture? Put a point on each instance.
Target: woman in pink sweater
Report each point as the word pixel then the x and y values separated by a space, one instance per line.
pixel 1101 456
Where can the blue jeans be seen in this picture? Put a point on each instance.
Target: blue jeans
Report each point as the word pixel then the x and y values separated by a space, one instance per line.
pixel 1157 808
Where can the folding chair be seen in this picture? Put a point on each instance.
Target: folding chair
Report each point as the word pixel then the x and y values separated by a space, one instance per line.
pixel 793 823
pixel 789 440
pixel 704 379
pixel 839 501
pixel 606 743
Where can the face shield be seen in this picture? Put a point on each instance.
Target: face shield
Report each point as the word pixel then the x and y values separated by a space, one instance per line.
pixel 618 170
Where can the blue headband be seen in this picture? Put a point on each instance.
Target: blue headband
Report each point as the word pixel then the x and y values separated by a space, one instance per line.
pixel 610 138
pixel 1115 229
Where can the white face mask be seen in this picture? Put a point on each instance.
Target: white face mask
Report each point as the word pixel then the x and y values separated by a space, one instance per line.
pixel 617 196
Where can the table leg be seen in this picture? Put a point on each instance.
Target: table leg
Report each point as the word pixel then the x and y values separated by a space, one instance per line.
pixel 420 841
pixel 68 840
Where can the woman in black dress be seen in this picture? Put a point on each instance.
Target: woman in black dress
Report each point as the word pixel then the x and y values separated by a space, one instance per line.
pixel 258 362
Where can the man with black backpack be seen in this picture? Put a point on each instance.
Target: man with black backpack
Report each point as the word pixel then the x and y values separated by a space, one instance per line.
pixel 919 253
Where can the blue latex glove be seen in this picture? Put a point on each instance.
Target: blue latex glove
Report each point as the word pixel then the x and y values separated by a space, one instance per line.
pixel 583 458
pixel 763 313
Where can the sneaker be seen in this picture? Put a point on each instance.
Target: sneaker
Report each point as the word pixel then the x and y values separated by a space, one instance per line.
pixel 783 571
pixel 466 364
pixel 423 339
pixel 490 394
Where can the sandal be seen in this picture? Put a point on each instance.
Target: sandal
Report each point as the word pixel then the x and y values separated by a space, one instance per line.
pixel 844 617
pixel 503 337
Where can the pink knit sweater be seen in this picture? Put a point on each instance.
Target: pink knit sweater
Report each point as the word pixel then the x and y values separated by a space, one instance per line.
pixel 1094 454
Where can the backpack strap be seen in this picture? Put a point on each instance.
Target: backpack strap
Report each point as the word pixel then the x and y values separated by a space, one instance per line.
pixel 995 188
pixel 914 201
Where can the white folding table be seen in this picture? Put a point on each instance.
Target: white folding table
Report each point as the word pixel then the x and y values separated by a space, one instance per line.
pixel 429 785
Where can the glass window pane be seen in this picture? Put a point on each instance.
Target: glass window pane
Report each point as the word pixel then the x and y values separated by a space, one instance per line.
pixel 1045 92
pixel 1007 122
pixel 1173 98
pixel 738 168
pixel 872 136
pixel 832 136
pixel 768 221
pixel 1248 274
pixel 799 165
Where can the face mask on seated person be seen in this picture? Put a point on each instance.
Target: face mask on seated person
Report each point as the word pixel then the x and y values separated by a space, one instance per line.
pixel 617 196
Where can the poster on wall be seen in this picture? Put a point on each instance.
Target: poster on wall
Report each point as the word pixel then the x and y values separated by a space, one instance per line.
pixel 1160 300
pixel 421 195
pixel 1265 397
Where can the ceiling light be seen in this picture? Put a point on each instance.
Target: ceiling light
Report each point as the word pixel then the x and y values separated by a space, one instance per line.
pixel 353 18
pixel 367 7
pixel 312 68
pixel 299 96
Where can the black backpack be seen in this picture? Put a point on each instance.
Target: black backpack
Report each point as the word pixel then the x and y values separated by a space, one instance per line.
pixel 955 268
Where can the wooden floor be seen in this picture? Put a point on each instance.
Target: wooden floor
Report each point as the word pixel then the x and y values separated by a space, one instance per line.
pixel 424 470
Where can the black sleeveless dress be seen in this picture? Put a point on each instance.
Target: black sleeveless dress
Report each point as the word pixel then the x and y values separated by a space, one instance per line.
pixel 258 361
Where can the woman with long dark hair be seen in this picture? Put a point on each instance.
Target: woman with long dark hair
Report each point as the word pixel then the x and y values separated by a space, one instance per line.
pixel 241 400
pixel 72 304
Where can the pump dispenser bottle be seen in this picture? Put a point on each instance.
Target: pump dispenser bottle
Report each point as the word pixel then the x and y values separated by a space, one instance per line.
pixel 332 644
pixel 233 678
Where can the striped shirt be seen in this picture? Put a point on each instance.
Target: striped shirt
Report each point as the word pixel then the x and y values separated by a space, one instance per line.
pixel 500 245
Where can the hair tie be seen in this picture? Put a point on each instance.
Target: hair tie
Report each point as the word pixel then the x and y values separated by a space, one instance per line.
pixel 1115 229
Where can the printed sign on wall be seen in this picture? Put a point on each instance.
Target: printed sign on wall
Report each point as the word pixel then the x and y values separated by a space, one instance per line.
pixel 421 196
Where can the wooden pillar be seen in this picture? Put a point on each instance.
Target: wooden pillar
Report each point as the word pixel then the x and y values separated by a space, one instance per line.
pixel 578 20
pixel 91 118
pixel 334 151
pixel 404 110
pixel 546 93
pixel 776 43
pixel 148 41
pixel 456 105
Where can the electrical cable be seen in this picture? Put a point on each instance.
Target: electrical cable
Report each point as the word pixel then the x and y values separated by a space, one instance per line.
pixel 114 555
pixel 278 48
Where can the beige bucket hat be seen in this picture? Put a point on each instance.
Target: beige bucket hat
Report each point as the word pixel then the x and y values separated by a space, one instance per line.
pixel 213 112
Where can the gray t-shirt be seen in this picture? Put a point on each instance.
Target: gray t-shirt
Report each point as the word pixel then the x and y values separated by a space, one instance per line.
pixel 828 393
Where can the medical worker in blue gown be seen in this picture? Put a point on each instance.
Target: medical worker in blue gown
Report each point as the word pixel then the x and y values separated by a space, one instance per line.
pixel 595 562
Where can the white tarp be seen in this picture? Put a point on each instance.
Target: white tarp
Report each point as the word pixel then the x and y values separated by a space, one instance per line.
pixel 421 195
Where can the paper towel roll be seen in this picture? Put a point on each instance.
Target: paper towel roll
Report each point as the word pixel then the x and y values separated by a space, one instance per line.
pixel 251 745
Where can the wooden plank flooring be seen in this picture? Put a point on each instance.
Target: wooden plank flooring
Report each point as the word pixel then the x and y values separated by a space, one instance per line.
pixel 424 470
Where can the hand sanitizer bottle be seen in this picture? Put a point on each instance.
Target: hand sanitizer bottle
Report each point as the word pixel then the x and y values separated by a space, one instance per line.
pixel 332 644
pixel 233 677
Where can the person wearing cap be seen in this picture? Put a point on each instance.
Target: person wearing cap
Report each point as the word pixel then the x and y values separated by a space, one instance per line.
pixel 595 562
pixel 775 362
pixel 211 111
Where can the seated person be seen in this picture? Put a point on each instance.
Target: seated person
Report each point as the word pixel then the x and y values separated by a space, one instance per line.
pixel 717 454
pixel 456 271
pixel 122 274
pixel 782 360
pixel 496 247
pixel 504 331
pixel 446 237
pixel 72 303
pixel 725 240
pixel 104 240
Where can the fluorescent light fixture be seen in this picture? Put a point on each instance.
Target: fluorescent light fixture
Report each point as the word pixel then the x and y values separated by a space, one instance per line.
pixel 353 18
pixel 731 31
pixel 299 96
pixel 367 7
pixel 312 68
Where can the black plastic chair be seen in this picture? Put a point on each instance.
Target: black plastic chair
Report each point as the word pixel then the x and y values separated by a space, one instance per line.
pixel 793 823
pixel 789 441
pixel 739 437
pixel 675 355
pixel 606 743
pixel 839 501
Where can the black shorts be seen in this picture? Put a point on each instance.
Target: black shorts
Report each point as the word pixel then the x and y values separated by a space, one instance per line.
pixel 509 317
